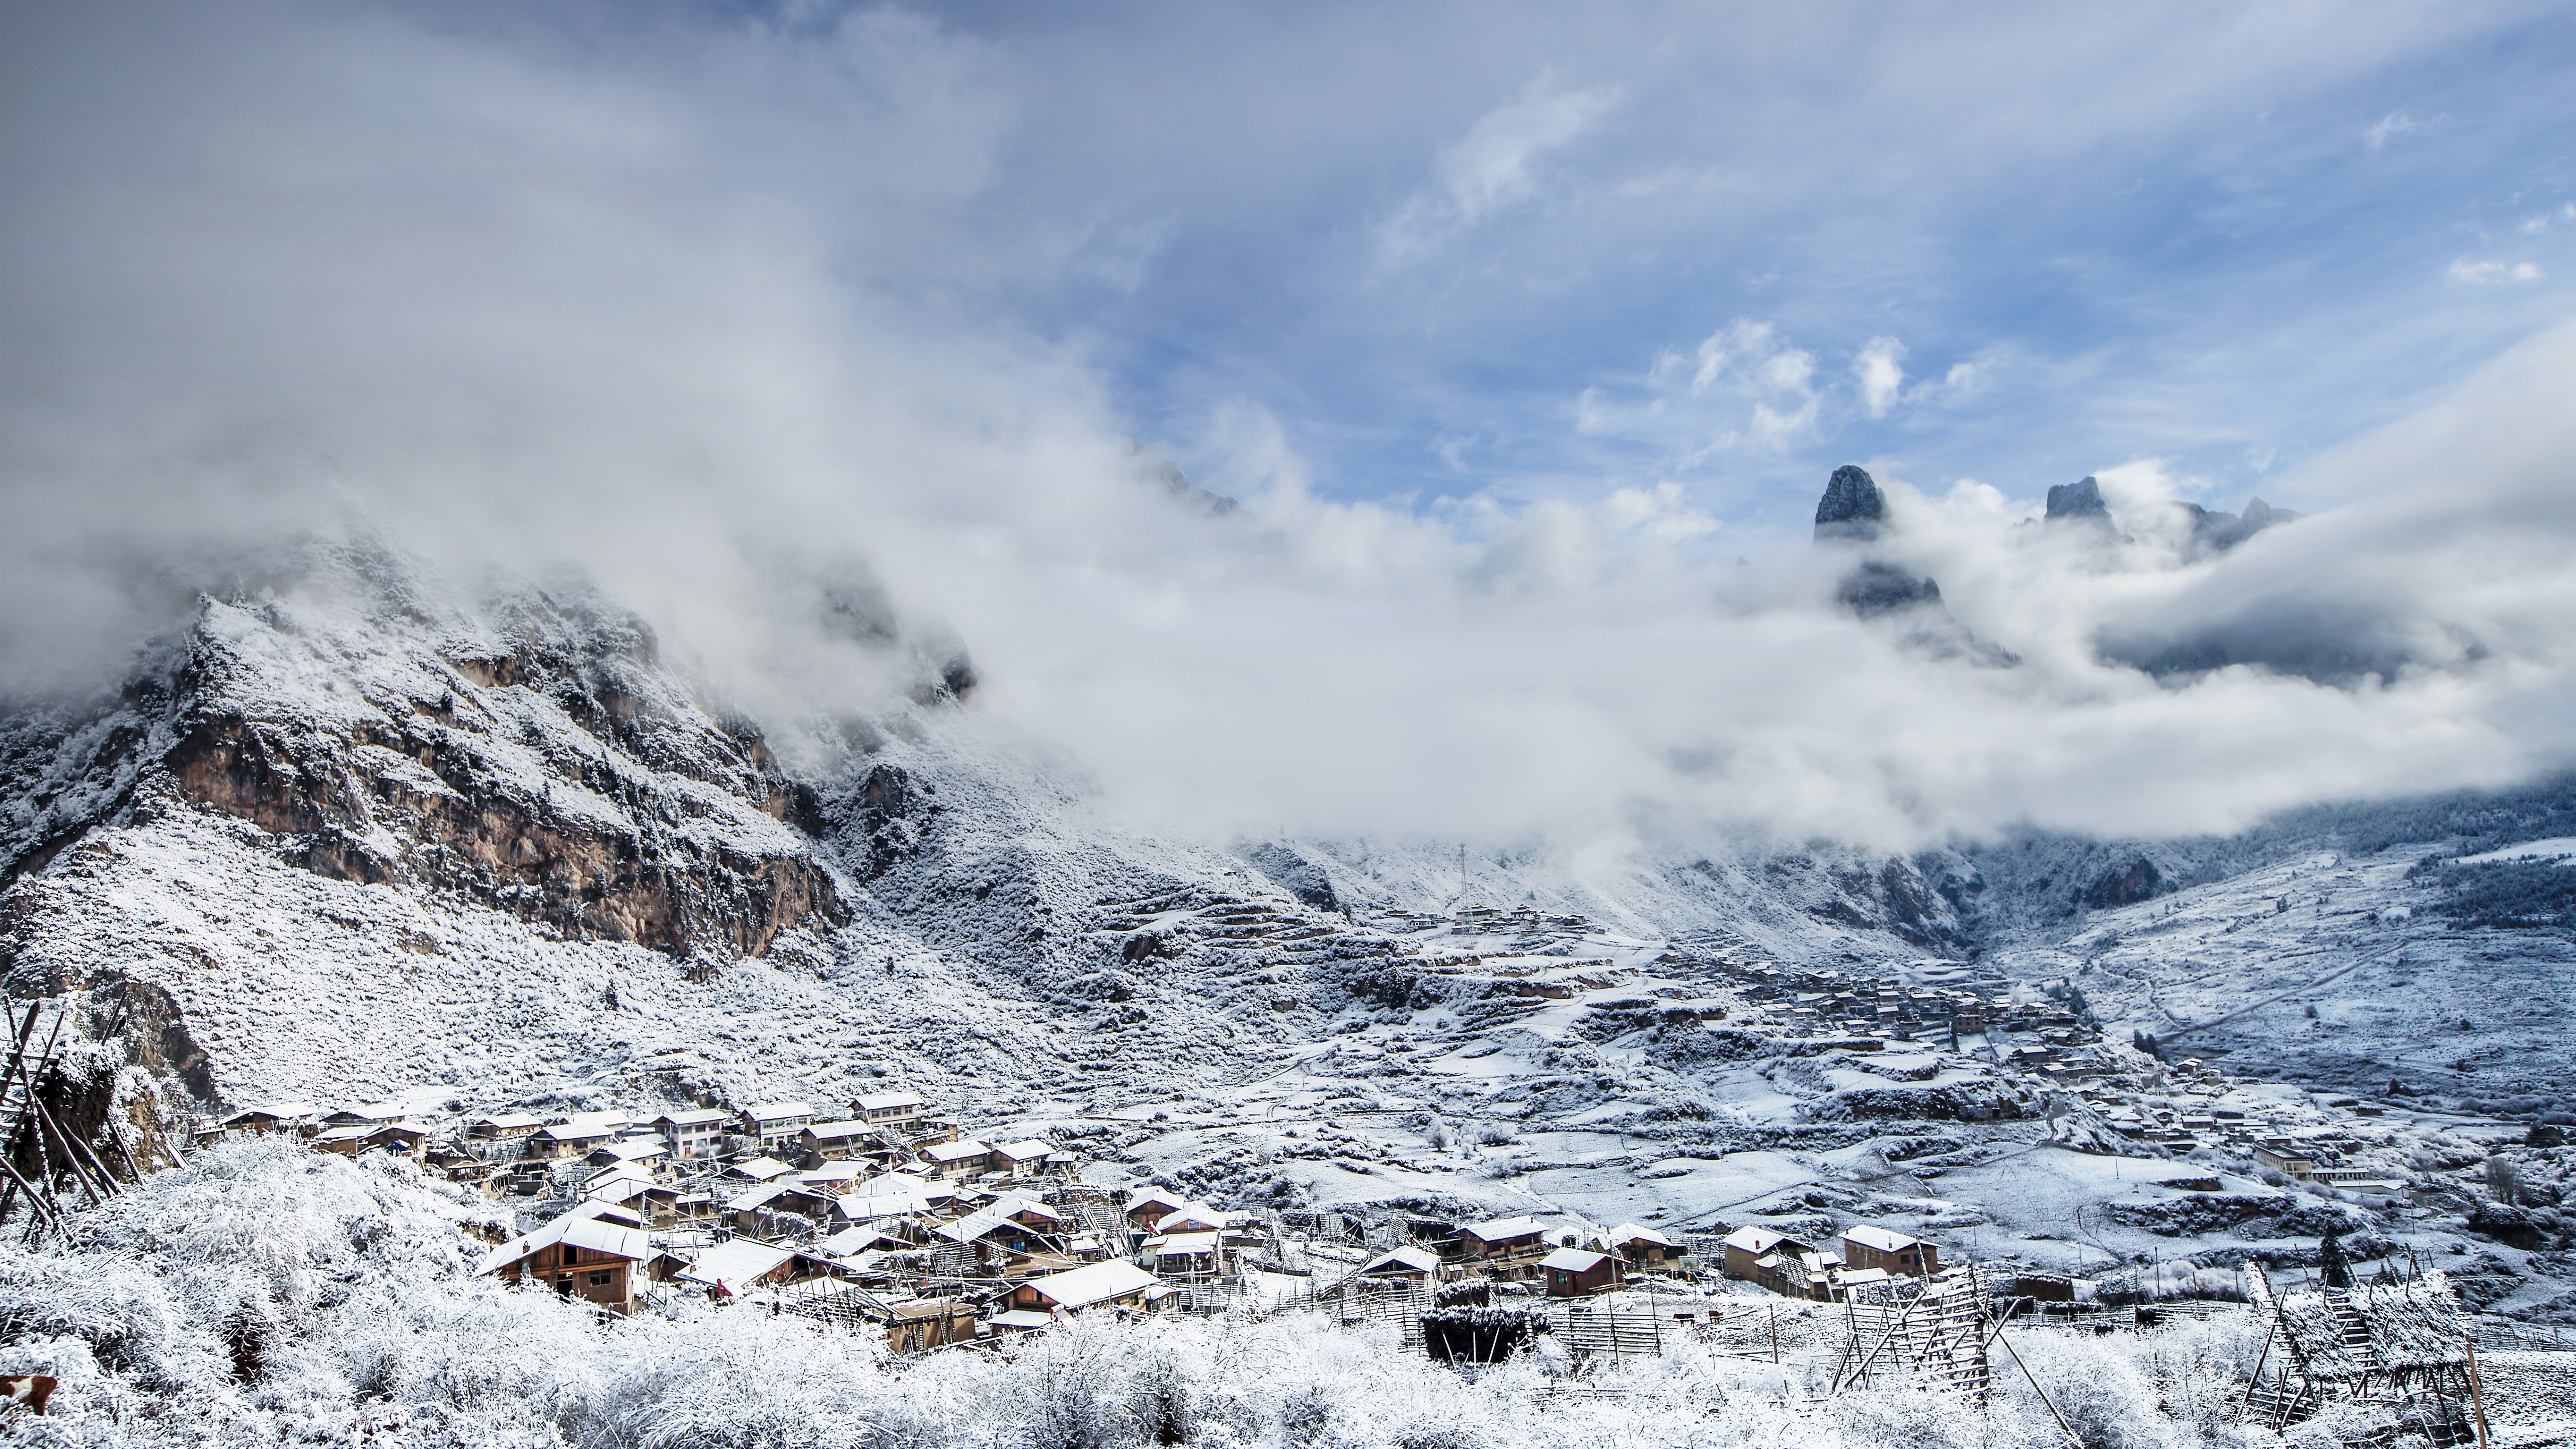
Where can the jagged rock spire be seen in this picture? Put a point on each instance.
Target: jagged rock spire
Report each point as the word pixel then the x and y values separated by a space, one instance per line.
pixel 2078 500
pixel 1853 509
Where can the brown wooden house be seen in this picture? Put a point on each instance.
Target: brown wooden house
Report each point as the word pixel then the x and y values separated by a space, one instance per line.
pixel 579 1256
pixel 1896 1253
pixel 1503 1247
pixel 1580 1272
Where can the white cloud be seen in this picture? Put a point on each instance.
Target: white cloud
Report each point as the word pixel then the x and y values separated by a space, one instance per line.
pixel 2395 123
pixel 2483 273
pixel 516 306
pixel 1492 168
pixel 1880 371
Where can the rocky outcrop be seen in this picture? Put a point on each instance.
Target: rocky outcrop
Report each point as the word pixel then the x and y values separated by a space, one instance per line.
pixel 546 767
pixel 2079 502
pixel 1853 509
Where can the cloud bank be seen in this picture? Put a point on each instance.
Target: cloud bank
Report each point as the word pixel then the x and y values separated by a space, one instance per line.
pixel 721 317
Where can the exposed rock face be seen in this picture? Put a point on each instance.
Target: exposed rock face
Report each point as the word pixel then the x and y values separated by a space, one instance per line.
pixel 1878 587
pixel 2218 532
pixel 1853 509
pixel 2078 500
pixel 2126 884
pixel 547 768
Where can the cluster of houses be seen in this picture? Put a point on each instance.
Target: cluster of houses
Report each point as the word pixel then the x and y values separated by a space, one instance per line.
pixel 1868 1257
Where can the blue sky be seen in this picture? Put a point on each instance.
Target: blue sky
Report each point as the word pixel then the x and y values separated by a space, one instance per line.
pixel 1420 237
pixel 1516 326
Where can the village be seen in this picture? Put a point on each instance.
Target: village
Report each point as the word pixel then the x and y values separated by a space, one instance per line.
pixel 883 1220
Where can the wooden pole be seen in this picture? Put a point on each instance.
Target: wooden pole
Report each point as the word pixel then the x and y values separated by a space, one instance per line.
pixel 2477 1393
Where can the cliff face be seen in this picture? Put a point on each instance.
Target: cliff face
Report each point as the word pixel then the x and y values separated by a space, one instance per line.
pixel 541 765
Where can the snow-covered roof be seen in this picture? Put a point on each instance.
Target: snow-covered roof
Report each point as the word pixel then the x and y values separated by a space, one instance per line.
pixel 510 1121
pixel 1407 1258
pixel 988 1217
pixel 887 1101
pixel 581 1131
pixel 1634 1233
pixel 373 1112
pixel 737 1262
pixel 851 1128
pixel 633 1150
pixel 758 1195
pixel 606 1211
pixel 1177 1245
pixel 1024 1151
pixel 956 1151
pixel 760 1169
pixel 1754 1239
pixel 1574 1260
pixel 882 1205
pixel 1881 1240
pixel 581 1230
pixel 1022 1318
pixel 694 1117
pixel 1503 1229
pixel 1093 1283
pixel 779 1111
pixel 894 1184
pixel 1155 1199
pixel 833 1174
pixel 857 1239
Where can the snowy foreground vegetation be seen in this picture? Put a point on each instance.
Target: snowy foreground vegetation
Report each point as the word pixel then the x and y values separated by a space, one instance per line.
pixel 266 1294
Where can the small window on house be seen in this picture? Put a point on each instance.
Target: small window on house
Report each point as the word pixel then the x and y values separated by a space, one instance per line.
pixel 599 1280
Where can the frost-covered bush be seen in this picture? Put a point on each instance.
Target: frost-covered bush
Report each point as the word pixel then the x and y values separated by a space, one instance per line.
pixel 264 1294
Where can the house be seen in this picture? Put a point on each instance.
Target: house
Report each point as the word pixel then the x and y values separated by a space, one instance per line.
pixel 739 1265
pixel 1022 1159
pixel 2285 1158
pixel 1008 1233
pixel 757 1169
pixel 1146 1209
pixel 1644 1247
pixel 886 1109
pixel 1504 1247
pixel 281 1117
pixel 1783 1265
pixel 775 1124
pixel 373 1114
pixel 505 1126
pixel 957 1159
pixel 579 1255
pixel 698 1132
pixel 1747 1245
pixel 927 1323
pixel 1419 1264
pixel 834 1141
pixel 1897 1253
pixel 1579 1272
pixel 573 1139
pixel 343 1141
pixel 835 1178
pixel 642 1151
pixel 631 1189
pixel 1187 1257
pixel 1116 1284
pixel 758 1206
pixel 395 1137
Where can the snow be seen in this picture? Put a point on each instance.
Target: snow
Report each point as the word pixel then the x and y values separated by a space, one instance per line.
pixel 2561 849
pixel 1092 1283
pixel 374 1329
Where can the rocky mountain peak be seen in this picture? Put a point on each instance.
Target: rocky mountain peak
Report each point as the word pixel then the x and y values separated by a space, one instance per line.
pixel 1853 509
pixel 2080 499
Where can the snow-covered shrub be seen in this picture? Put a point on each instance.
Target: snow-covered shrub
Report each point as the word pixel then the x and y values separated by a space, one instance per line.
pixel 264 1294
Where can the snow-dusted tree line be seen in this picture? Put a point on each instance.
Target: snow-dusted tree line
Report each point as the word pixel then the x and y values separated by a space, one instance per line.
pixel 266 1294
